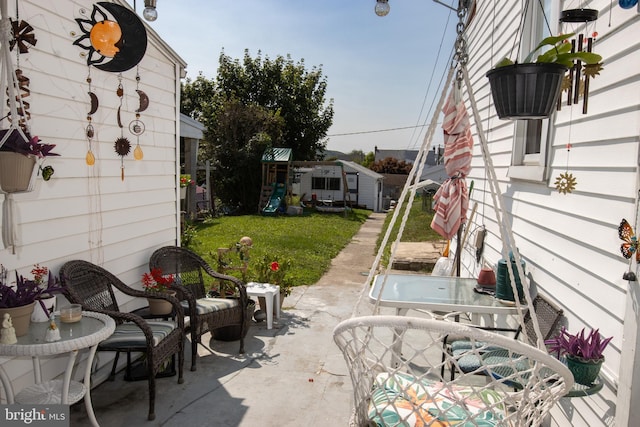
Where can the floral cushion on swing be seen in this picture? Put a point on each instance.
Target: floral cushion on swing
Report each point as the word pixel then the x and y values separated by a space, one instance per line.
pixel 401 399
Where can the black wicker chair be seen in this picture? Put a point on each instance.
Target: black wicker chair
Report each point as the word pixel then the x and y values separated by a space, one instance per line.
pixel 549 318
pixel 211 313
pixel 93 287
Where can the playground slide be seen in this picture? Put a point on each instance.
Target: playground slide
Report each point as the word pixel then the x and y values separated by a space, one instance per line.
pixel 275 200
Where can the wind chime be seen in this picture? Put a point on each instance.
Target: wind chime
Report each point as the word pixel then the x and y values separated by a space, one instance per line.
pixel 136 127
pixel 576 83
pixel 566 182
pixel 122 144
pixel 90 159
pixel 115 40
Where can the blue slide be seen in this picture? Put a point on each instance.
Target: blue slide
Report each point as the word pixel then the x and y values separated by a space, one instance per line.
pixel 275 200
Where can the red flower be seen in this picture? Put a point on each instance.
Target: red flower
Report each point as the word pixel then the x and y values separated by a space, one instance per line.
pixel 274 266
pixel 155 281
pixel 39 273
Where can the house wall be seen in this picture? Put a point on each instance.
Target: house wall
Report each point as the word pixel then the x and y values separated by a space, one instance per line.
pixel 569 241
pixel 88 212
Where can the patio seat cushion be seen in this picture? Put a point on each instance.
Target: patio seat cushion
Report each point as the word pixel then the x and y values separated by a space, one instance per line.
pixel 396 395
pixel 129 335
pixel 209 305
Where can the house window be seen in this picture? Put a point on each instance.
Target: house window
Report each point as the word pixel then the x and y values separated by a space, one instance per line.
pixel 533 137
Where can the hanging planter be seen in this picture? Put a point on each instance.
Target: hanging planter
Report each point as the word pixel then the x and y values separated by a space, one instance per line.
pixel 526 91
pixel 17 172
pixel 530 90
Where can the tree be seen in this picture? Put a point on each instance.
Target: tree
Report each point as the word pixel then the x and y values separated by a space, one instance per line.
pixel 369 159
pixel 251 106
pixel 391 166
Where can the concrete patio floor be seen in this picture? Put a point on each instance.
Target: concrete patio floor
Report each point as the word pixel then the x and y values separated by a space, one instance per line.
pixel 291 375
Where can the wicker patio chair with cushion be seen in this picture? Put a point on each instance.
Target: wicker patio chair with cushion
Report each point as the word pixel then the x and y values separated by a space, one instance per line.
pixel 395 368
pixel 548 315
pixel 94 288
pixel 211 313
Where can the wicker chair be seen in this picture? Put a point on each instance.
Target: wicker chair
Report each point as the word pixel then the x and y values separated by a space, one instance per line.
pixel 395 368
pixel 211 313
pixel 548 315
pixel 93 287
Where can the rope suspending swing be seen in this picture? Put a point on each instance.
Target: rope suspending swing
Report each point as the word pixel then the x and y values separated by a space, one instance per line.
pixel 397 363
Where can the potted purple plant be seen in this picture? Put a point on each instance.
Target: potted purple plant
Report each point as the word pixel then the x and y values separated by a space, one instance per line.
pixel 583 352
pixel 18 299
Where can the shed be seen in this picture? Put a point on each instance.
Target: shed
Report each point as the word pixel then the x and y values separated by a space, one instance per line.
pixel 341 181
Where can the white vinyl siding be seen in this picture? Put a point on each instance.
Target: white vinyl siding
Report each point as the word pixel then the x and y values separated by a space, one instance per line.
pixel 569 241
pixel 87 212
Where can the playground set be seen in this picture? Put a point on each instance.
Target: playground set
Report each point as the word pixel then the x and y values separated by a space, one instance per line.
pixel 276 181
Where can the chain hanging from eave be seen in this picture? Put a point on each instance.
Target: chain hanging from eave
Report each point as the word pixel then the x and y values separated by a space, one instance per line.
pixel 461 56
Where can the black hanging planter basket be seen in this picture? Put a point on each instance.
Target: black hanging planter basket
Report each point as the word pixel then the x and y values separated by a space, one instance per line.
pixel 526 91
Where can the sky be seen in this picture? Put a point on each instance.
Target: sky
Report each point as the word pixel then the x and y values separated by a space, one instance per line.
pixel 382 72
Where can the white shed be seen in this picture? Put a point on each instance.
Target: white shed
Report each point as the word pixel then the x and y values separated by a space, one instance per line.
pixel 91 212
pixel 325 181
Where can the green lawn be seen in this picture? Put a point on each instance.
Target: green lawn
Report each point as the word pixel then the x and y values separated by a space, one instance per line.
pixel 310 241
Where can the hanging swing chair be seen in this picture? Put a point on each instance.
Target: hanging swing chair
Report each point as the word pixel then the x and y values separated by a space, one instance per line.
pixel 398 364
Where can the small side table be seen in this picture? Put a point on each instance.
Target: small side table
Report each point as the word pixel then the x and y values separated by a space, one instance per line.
pixel 271 294
pixel 87 333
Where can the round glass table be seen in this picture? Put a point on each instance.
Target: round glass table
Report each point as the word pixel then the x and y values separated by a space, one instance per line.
pixel 87 333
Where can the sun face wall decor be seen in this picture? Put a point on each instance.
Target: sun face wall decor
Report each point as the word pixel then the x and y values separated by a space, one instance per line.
pixel 115 40
pixel 113 36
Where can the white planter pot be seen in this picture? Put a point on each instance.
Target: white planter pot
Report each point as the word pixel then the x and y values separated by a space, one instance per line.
pixel 40 315
pixel 17 172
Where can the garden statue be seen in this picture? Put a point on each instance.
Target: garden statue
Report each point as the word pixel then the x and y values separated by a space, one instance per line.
pixel 8 332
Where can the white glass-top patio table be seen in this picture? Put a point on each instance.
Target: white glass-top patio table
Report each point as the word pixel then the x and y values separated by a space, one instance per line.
pixel 436 293
pixel 86 333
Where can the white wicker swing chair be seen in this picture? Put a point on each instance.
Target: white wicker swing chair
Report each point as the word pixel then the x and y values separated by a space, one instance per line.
pixel 395 367
pixel 398 364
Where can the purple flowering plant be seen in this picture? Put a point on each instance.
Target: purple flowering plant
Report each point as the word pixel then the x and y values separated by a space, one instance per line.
pixel 25 291
pixel 32 145
pixel 586 346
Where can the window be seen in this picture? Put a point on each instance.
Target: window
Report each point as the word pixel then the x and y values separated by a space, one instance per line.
pixel 317 183
pixel 532 137
pixel 333 183
pixel 322 183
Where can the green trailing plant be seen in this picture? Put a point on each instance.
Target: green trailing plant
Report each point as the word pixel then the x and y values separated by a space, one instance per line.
pixel 560 53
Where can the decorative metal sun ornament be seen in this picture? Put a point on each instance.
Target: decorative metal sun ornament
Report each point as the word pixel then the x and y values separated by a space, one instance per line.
pixel 565 183
pixel 122 146
pixel 113 37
